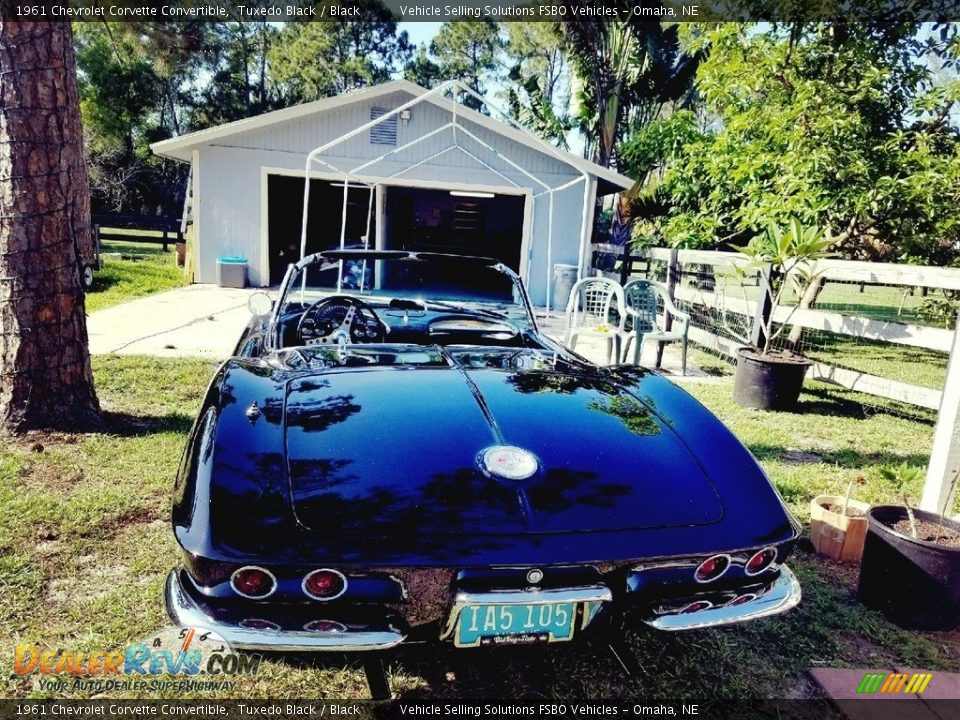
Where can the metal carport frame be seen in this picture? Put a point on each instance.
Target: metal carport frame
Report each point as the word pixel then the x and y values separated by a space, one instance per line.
pixel 450 86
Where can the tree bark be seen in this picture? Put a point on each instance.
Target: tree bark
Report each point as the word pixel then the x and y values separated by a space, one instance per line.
pixel 45 375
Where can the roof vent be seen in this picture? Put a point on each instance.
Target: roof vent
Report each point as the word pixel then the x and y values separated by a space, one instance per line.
pixel 383 133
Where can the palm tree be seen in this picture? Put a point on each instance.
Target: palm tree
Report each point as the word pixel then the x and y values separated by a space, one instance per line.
pixel 624 74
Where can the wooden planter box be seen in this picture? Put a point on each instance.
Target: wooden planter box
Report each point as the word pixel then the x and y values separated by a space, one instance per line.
pixel 836 536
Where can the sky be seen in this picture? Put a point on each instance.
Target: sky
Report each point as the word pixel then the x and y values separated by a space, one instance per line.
pixel 420 32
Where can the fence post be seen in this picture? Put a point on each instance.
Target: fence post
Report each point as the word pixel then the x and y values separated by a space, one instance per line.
pixel 945 454
pixel 764 308
pixel 673 276
pixel 626 264
pixel 164 239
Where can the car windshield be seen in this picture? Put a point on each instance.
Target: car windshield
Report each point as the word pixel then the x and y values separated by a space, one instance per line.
pixel 442 283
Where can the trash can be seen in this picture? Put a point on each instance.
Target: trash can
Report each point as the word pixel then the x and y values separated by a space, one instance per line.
pixel 232 271
pixel 564 278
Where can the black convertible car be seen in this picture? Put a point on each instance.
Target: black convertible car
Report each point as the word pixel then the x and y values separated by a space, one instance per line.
pixel 395 449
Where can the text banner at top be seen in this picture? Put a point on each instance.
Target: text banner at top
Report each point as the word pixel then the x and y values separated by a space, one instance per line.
pixel 479 10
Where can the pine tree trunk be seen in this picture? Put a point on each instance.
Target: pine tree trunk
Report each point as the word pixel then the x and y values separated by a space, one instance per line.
pixel 45 375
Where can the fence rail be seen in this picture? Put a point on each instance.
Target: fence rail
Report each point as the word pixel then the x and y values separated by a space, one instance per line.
pixel 126 228
pixel 692 287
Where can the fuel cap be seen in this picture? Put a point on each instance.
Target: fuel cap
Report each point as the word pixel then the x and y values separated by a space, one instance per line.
pixel 508 462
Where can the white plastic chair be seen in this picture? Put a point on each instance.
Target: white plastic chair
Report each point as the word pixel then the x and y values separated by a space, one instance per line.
pixel 597 309
pixel 643 299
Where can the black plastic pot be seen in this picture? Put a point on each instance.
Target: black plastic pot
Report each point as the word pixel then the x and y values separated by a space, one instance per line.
pixel 768 382
pixel 916 584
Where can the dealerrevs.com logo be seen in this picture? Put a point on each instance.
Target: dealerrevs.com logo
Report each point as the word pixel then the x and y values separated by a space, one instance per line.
pixel 183 653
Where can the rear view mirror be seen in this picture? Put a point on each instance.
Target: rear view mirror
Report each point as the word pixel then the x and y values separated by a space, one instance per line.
pixel 259 303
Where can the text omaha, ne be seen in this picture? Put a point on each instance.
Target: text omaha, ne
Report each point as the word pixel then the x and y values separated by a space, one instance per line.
pixel 546 11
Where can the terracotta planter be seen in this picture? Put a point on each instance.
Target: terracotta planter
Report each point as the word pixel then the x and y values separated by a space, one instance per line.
pixel 836 536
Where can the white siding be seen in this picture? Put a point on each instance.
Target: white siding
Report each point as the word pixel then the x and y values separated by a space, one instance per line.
pixel 229 185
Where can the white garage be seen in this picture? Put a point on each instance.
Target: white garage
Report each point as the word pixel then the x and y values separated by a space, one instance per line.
pixel 393 167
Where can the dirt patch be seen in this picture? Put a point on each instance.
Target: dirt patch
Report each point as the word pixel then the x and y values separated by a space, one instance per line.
pixel 803 689
pixel 838 510
pixel 800 457
pixel 39 440
pixel 930 532
pixel 111 526
pixel 99 582
pixel 948 643
pixel 863 652
pixel 49 475
pixel 49 549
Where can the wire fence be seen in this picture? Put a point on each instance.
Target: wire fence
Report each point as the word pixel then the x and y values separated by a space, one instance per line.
pixel 883 332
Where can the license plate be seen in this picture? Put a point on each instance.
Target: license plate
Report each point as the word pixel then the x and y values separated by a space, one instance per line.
pixel 504 624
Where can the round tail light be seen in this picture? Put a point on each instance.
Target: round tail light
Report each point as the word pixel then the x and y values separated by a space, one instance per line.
pixel 711 568
pixel 696 606
pixel 741 599
pixel 761 560
pixel 324 584
pixel 253 582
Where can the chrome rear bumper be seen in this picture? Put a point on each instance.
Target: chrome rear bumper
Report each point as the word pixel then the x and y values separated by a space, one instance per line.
pixel 377 634
pixel 782 595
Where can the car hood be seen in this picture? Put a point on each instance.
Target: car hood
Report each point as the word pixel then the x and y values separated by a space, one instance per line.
pixel 377 449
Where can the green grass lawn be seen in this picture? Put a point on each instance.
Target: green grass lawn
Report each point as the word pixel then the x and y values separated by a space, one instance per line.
pixel 132 270
pixel 85 544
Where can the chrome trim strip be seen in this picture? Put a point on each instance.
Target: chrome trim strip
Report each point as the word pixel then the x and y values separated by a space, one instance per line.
pixel 588 593
pixel 184 611
pixel 783 595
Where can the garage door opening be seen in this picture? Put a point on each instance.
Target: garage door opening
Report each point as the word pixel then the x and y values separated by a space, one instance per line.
pixel 285 218
pixel 456 222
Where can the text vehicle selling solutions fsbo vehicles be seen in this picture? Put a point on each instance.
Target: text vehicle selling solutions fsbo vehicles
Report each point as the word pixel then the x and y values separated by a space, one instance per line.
pixel 396 450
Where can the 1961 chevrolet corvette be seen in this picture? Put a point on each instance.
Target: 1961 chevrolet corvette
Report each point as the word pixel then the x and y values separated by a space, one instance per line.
pixel 395 449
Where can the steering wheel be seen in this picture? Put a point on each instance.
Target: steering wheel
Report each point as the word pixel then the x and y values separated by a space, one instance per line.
pixel 340 319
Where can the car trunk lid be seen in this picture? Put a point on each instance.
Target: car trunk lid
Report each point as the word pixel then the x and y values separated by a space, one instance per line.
pixel 396 450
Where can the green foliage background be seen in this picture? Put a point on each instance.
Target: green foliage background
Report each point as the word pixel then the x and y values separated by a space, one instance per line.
pixel 727 128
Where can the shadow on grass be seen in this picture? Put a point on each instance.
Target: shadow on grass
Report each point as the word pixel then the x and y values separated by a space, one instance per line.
pixel 829 402
pixel 102 282
pixel 844 457
pixel 844 403
pixel 128 425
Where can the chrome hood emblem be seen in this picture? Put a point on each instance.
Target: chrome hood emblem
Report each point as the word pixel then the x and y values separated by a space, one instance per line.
pixel 508 462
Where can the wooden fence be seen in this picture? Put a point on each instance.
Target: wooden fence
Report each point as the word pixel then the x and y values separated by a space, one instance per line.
pixel 618 263
pixel 125 227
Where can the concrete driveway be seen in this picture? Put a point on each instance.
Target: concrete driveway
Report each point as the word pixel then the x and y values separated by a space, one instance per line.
pixel 197 320
pixel 206 321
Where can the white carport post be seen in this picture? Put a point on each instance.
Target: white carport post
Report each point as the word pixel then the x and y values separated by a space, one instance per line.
pixel 941 486
pixel 584 224
pixel 314 154
pixel 550 193
pixel 441 90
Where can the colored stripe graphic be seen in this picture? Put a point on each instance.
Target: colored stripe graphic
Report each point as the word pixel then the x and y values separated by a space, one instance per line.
pixel 892 683
pixel 871 682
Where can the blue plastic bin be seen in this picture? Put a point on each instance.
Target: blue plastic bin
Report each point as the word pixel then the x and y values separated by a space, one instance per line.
pixel 232 271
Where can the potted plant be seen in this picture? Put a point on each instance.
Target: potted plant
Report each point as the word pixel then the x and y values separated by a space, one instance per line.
pixel 767 378
pixel 838 525
pixel 911 564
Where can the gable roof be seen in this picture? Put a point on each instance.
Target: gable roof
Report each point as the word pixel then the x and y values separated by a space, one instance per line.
pixel 179 148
